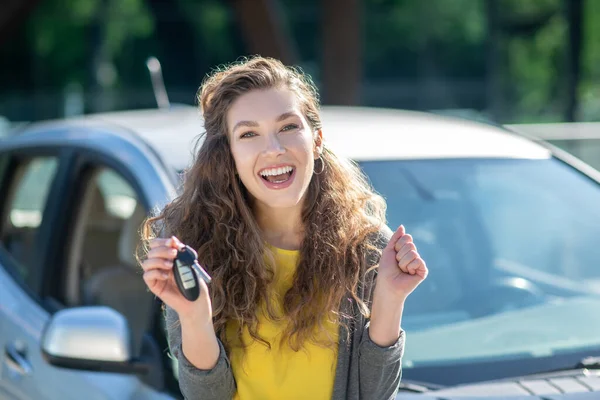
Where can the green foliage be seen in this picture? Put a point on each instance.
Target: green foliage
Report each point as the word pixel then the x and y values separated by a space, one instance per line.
pixel 127 20
pixel 411 43
pixel 536 67
pixel 211 21
pixel 590 85
pixel 61 33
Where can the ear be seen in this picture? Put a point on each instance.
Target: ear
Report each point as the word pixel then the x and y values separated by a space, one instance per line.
pixel 318 143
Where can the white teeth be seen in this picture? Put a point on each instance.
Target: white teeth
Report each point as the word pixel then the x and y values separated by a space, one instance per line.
pixel 276 171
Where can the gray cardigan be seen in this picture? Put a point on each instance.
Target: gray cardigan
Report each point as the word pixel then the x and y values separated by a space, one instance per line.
pixel 364 370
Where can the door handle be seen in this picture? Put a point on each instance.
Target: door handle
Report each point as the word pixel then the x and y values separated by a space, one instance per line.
pixel 16 360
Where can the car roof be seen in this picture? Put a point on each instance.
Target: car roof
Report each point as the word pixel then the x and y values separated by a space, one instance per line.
pixel 359 133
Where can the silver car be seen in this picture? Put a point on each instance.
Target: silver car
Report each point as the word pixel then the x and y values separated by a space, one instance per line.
pixel 509 228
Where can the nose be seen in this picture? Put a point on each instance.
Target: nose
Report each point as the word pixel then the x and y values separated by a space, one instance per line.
pixel 273 146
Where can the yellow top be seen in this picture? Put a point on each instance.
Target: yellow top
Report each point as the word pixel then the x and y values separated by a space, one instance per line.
pixel 282 373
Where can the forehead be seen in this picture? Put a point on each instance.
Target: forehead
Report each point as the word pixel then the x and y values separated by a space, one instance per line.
pixel 262 105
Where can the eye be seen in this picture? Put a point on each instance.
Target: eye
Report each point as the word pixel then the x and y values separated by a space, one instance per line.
pixel 289 127
pixel 247 135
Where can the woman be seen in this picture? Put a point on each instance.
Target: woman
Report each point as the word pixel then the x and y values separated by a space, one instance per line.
pixel 294 239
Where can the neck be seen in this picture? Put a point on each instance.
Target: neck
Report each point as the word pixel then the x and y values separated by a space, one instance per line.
pixel 282 227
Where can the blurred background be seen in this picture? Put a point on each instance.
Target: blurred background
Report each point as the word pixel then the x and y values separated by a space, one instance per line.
pixel 507 61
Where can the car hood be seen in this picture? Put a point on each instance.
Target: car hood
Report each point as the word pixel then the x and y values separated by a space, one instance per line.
pixel 537 331
pixel 565 385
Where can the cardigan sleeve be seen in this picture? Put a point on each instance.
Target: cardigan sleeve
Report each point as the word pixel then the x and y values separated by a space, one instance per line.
pixel 380 368
pixel 217 383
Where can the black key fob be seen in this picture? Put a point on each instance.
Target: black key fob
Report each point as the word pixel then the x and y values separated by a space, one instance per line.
pixel 187 272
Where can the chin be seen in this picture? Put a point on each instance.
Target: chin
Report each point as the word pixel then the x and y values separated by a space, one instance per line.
pixel 278 201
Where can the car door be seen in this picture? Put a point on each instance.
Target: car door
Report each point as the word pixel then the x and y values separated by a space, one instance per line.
pixel 98 266
pixel 31 185
pixel 38 189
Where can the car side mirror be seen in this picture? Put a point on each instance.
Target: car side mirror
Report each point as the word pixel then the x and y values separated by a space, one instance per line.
pixel 94 338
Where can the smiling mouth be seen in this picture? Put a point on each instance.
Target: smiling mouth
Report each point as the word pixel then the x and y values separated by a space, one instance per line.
pixel 277 175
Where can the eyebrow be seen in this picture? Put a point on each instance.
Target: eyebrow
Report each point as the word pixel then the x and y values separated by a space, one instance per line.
pixel 254 124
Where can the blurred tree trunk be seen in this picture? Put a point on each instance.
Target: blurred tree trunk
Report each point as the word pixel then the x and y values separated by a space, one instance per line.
pixel 13 13
pixel 494 93
pixel 265 29
pixel 101 96
pixel 342 51
pixel 180 58
pixel 574 16
pixel 431 89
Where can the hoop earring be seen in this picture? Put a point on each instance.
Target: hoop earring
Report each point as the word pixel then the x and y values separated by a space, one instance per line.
pixel 322 166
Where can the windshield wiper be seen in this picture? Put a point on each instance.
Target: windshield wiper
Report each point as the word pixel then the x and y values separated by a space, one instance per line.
pixel 407 385
pixel 589 363
pixel 585 363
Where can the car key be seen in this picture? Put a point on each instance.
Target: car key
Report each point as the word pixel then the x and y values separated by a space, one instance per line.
pixel 187 272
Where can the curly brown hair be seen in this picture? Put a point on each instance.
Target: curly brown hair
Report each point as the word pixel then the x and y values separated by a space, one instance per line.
pixel 341 215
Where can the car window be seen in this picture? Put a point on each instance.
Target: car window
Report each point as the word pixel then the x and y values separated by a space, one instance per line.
pixel 110 205
pixel 119 197
pixel 553 229
pixel 512 252
pixel 105 235
pixel 101 264
pixel 24 210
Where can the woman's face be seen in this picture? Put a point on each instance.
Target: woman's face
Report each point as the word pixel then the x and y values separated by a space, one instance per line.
pixel 273 146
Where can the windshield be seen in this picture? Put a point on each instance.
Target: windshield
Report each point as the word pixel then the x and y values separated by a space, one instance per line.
pixel 513 252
